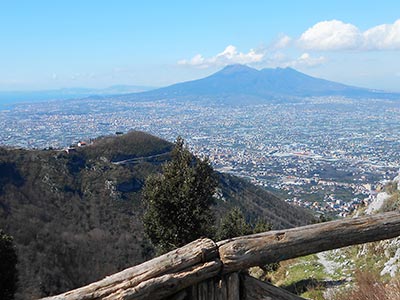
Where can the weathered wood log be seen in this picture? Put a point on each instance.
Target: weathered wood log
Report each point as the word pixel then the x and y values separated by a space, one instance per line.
pixel 254 289
pixel 274 246
pixel 166 285
pixel 194 253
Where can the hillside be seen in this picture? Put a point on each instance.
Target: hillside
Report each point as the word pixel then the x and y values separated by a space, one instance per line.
pixel 354 272
pixel 239 84
pixel 76 217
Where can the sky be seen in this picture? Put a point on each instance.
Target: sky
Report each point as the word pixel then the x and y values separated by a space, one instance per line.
pixel 57 44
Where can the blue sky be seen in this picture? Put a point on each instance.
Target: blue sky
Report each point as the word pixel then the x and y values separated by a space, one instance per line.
pixel 54 44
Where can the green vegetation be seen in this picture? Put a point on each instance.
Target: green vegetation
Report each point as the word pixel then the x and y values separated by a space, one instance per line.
pixel 8 270
pixel 178 202
pixel 134 144
pixel 233 224
pixel 303 276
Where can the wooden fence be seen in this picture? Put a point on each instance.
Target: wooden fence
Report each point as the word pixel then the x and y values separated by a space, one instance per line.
pixel 204 269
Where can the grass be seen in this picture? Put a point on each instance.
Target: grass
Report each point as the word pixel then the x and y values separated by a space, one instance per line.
pixel 308 278
pixel 304 276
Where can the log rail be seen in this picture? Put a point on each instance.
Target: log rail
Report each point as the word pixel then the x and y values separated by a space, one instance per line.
pixel 204 269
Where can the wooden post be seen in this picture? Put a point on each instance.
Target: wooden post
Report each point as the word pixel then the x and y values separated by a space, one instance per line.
pixel 211 289
pixel 254 289
pixel 233 286
pixel 274 246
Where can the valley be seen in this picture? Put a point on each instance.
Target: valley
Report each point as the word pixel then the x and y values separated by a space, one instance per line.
pixel 324 153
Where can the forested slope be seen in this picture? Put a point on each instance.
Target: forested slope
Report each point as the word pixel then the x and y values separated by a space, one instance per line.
pixel 76 217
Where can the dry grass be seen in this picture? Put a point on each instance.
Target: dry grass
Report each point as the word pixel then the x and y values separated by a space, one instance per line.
pixel 368 286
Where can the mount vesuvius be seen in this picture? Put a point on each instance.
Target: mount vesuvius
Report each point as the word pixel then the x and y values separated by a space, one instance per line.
pixel 242 84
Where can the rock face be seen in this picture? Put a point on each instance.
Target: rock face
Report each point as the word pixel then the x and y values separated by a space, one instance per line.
pixel 376 205
pixel 397 180
pixel 391 266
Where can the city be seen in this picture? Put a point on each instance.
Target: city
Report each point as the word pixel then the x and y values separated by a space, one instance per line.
pixel 329 154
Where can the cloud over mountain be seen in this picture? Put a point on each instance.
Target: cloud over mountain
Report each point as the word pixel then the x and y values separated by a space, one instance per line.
pixel 229 56
pixel 271 57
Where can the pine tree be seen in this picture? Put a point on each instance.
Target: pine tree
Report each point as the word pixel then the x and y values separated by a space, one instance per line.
pixel 177 202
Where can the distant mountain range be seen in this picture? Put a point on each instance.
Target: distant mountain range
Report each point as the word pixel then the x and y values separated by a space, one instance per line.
pixel 242 84
pixel 13 97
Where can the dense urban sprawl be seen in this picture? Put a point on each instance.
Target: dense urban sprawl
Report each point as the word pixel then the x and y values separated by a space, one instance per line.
pixel 329 154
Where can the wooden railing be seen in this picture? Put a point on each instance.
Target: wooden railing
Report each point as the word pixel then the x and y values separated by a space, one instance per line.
pixel 204 269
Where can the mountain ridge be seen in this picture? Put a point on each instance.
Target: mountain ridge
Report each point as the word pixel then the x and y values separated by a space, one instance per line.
pixel 243 84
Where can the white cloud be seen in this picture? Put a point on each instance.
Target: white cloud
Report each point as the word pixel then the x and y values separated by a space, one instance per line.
pixel 197 60
pixel 331 35
pixel 383 37
pixel 229 56
pixel 337 35
pixel 282 42
pixel 305 60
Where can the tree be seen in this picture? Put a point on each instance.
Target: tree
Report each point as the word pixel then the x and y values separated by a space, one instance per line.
pixel 233 224
pixel 262 226
pixel 8 267
pixel 177 202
